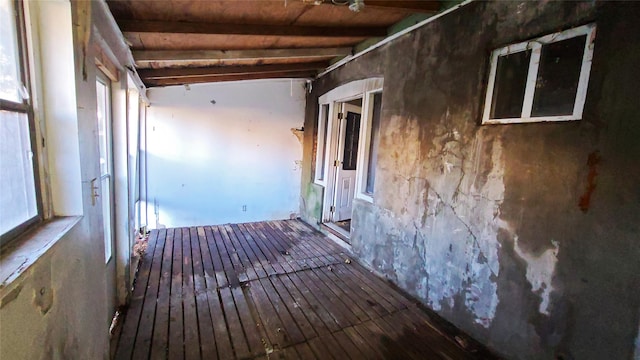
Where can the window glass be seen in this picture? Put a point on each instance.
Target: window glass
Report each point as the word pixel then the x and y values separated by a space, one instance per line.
pixel 374 143
pixel 323 147
pixel 17 183
pixel 351 137
pixel 322 153
pixel 102 95
pixel 10 83
pixel 558 76
pixel 510 85
pixel 18 198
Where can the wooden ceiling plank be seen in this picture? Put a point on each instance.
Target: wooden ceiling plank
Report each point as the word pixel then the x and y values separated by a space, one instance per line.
pixel 425 6
pixel 232 55
pixel 174 27
pixel 235 77
pixel 151 74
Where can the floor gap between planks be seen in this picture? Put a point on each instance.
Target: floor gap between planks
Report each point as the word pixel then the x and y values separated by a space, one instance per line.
pixel 272 290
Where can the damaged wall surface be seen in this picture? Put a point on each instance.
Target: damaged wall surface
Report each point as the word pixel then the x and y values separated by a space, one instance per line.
pixel 224 153
pixel 488 225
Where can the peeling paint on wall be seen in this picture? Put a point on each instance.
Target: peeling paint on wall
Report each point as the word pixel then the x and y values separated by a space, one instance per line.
pixel 540 271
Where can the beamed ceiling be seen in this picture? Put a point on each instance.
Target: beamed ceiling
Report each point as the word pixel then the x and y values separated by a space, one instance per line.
pixel 186 42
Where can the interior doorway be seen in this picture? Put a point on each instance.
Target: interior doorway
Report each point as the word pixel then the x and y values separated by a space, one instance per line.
pixel 345 144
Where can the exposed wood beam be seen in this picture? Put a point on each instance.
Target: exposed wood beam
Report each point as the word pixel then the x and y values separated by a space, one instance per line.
pixel 199 55
pixel 426 6
pixel 234 77
pixel 105 64
pixel 109 36
pixel 152 74
pixel 174 27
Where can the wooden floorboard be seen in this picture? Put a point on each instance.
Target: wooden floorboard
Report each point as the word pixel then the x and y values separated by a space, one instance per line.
pixel 270 290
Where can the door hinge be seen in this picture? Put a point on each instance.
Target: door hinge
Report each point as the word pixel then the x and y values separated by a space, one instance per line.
pixel 340 116
pixel 336 163
pixel 332 209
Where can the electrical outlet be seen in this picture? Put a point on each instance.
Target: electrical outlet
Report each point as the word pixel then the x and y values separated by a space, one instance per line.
pixel 244 208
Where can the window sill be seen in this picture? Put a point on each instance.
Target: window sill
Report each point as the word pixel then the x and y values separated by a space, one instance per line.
pixel 19 256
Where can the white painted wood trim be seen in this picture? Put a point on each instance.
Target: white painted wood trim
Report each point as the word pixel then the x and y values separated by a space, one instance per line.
pixel 532 78
pixel 363 150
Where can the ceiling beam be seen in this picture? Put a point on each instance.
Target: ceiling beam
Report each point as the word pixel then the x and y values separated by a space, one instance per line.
pixel 152 74
pixel 175 27
pixel 234 77
pixel 231 55
pixel 426 6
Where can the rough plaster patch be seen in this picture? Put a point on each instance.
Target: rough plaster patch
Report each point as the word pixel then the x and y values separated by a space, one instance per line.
pixel 540 271
pixel 43 299
pixel 299 134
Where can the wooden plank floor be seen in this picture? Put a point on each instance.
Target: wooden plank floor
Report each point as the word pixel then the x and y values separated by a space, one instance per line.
pixel 270 290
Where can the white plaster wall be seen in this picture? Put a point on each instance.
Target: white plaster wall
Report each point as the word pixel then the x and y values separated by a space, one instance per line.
pixel 206 161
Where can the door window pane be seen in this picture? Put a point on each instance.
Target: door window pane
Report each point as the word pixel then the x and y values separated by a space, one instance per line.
pixel 375 142
pixel 10 83
pixel 17 183
pixel 510 84
pixel 558 76
pixel 351 135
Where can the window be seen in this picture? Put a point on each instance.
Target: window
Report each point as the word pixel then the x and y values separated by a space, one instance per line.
pixel 19 205
pixel 369 151
pixel 103 94
pixel 321 151
pixel 373 143
pixel 544 79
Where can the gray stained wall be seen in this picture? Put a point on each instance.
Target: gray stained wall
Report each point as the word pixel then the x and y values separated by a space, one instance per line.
pixel 497 228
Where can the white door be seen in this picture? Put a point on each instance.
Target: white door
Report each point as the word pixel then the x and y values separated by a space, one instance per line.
pixel 348 156
pixel 103 89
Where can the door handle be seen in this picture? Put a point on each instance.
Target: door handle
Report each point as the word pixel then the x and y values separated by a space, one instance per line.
pixel 94 192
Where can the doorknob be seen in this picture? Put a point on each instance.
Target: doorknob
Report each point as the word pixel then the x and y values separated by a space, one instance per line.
pixel 94 191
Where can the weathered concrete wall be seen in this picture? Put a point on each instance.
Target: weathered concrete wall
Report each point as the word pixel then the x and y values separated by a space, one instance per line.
pixel 483 223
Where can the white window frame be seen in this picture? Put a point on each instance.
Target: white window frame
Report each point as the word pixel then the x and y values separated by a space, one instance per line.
pixel 363 148
pixel 535 45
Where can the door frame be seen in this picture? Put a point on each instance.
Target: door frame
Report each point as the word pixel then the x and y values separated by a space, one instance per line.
pixel 350 91
pixel 110 263
pixel 339 154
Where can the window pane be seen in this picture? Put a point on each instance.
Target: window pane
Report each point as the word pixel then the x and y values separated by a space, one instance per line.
pixel 375 142
pixel 323 141
pixel 510 84
pixel 351 134
pixel 17 185
pixel 103 101
pixel 558 76
pixel 10 82
pixel 105 185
